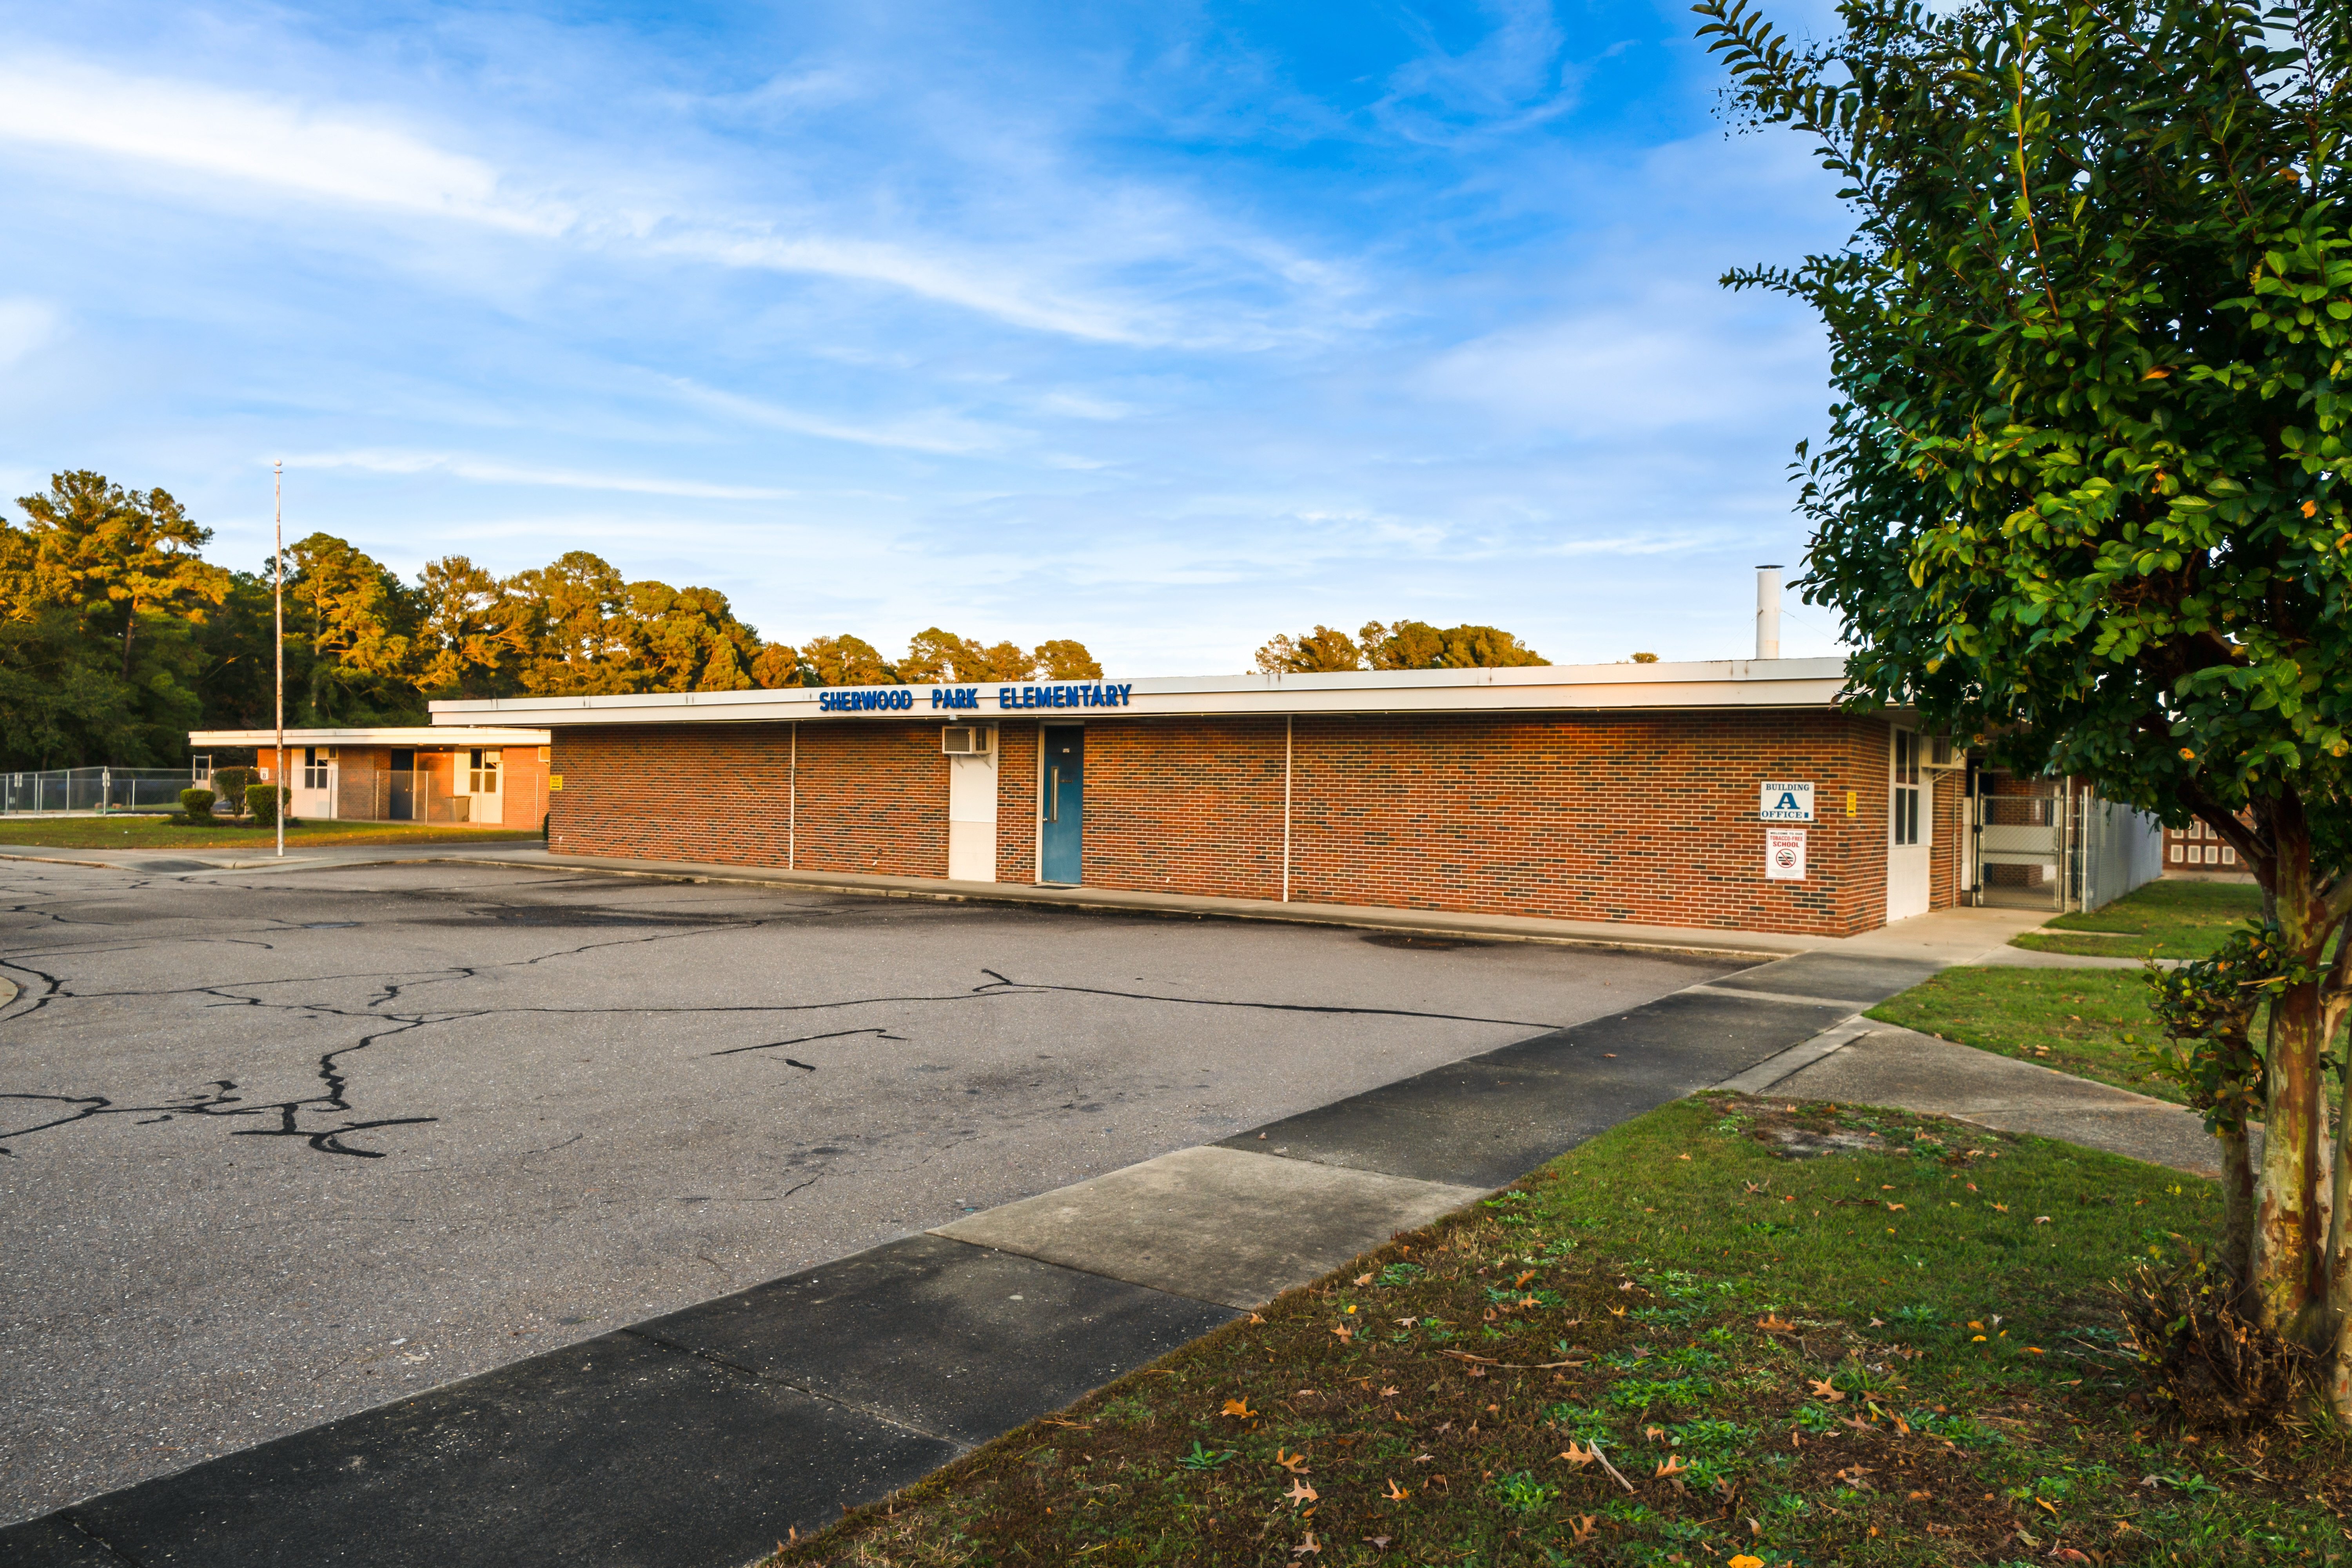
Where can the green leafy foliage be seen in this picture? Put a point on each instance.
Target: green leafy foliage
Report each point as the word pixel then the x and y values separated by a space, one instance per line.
pixel 2207 1012
pixel 2080 500
pixel 262 801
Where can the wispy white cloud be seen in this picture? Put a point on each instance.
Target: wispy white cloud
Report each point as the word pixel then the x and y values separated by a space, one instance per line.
pixel 26 325
pixel 1665 362
pixel 386 461
pixel 344 156
pixel 238 136
pixel 964 280
pixel 939 431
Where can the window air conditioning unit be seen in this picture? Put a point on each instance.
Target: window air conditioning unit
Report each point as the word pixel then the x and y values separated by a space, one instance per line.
pixel 965 740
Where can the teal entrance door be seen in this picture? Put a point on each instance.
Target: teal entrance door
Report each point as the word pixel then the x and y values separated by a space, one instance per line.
pixel 1066 805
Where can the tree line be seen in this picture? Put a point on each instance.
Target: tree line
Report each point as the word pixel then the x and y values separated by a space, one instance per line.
pixel 117 637
pixel 1406 645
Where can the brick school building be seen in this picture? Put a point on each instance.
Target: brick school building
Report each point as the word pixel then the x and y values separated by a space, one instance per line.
pixel 1729 794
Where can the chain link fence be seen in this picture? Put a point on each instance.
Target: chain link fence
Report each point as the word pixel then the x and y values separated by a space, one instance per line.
pixel 2061 849
pixel 97 789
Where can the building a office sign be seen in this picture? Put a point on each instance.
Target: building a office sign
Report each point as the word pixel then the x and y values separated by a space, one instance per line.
pixel 1786 801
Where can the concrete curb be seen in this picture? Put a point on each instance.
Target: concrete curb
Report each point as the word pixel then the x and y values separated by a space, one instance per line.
pixel 1760 1078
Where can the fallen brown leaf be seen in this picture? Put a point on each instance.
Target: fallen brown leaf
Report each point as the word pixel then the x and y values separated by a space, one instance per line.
pixel 1239 1407
pixel 1301 1492
pixel 1397 1493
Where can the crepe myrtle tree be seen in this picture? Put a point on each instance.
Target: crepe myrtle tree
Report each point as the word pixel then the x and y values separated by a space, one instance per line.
pixel 2080 495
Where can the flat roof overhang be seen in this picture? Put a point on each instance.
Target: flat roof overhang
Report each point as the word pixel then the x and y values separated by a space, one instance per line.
pixel 1719 685
pixel 395 735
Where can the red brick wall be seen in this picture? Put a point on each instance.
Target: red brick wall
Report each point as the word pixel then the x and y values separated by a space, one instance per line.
pixel 1648 819
pixel 359 783
pixel 1186 806
pixel 1016 801
pixel 872 796
pixel 522 786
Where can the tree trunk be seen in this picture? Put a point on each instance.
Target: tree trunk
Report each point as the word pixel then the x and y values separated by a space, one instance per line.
pixel 2237 1206
pixel 130 629
pixel 2288 1270
pixel 2335 1005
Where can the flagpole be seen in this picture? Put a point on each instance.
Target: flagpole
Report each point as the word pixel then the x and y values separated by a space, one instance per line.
pixel 278 594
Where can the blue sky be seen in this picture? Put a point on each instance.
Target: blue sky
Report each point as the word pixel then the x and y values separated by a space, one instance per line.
pixel 1167 326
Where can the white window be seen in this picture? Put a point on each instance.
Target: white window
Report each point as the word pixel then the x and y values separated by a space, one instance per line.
pixel 1906 788
pixel 482 771
pixel 315 763
pixel 2176 854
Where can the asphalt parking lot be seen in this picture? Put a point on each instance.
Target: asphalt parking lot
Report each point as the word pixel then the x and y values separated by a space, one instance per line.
pixel 282 1147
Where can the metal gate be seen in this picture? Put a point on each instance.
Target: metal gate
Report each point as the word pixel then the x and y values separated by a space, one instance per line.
pixel 2020 850
pixel 2059 849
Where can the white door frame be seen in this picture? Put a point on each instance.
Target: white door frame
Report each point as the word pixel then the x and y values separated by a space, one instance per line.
pixel 1910 825
pixel 318 804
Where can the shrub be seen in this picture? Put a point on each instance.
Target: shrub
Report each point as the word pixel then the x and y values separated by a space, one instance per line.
pixel 2221 1369
pixel 232 783
pixel 262 800
pixel 197 803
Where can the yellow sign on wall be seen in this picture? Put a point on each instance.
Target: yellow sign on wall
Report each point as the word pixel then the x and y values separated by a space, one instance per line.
pixel 555 781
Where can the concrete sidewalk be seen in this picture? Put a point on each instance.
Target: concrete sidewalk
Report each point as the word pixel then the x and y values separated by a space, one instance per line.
pixel 1879 1064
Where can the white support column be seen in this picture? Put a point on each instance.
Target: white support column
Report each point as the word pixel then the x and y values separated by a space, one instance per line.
pixel 793 802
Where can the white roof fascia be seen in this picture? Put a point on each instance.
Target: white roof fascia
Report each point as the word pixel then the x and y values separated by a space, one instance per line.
pixel 396 735
pixel 1785 683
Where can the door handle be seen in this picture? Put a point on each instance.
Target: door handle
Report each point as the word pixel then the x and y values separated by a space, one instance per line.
pixel 1054 794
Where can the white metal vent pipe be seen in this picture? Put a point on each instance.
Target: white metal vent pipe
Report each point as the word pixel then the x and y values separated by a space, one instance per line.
pixel 1767 612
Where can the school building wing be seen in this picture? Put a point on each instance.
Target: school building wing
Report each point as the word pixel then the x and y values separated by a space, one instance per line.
pixel 483 776
pixel 1733 794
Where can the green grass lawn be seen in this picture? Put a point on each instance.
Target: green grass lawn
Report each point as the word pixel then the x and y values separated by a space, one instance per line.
pixel 2087 1022
pixel 1811 1336
pixel 2162 920
pixel 157 833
